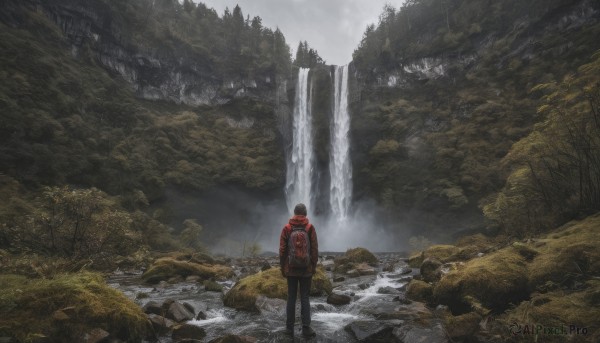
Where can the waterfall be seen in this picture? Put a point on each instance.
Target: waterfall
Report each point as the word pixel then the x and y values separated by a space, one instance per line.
pixel 340 168
pixel 301 158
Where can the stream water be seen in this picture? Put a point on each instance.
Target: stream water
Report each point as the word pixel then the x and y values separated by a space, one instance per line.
pixel 329 321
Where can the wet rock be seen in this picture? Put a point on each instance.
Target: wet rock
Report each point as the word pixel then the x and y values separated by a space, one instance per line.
pixel 386 310
pixel 192 278
pixel 361 269
pixel 402 300
pixel 273 305
pixel 234 339
pixel 387 290
pixel 417 334
pixel 212 286
pixel 339 279
pixel 430 270
pixel 201 315
pixel 153 307
pixel 338 299
pixel 370 331
pixel 364 286
pixel 179 313
pixel 419 291
pixel 161 324
pixel 328 265
pixel 188 331
pixel 96 335
pixel 320 307
pixel 189 307
pixel 389 267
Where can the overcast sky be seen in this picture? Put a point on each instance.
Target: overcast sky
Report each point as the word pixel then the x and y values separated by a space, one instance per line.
pixel 332 27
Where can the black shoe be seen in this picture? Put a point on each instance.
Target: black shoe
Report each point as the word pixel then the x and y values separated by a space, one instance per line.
pixel 289 332
pixel 307 331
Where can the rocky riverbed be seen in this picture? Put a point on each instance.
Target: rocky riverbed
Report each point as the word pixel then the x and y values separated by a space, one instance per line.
pixel 367 304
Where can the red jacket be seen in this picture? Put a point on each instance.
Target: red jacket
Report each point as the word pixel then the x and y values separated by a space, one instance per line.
pixel 298 220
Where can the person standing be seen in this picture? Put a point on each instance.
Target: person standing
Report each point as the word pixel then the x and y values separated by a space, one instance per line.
pixel 298 256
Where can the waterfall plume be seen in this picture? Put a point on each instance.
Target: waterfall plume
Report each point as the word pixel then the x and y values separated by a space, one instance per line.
pixel 340 168
pixel 301 157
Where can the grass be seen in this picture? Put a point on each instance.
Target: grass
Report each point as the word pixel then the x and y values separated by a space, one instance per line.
pixel 33 307
pixel 166 268
pixel 271 284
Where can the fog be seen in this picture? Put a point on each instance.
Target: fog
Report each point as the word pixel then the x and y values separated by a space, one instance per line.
pixel 234 219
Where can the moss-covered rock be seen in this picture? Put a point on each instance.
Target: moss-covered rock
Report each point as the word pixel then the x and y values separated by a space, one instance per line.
pixel 431 270
pixel 419 291
pixel 495 280
pixel 461 326
pixel 562 309
pixel 441 252
pixel 166 268
pixel 212 286
pixel 352 258
pixel 272 284
pixel 360 255
pixel 569 253
pixel 66 307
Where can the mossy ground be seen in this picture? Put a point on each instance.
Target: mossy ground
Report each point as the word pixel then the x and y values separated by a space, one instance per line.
pixel 496 280
pixel 550 281
pixel 567 254
pixel 272 284
pixel 166 268
pixel 27 307
pixel 562 308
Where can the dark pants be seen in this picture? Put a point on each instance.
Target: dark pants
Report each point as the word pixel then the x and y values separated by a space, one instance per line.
pixel 293 282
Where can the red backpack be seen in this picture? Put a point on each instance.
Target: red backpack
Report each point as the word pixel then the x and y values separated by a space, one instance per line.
pixel 299 247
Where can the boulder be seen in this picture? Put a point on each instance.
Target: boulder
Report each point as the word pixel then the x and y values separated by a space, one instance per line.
pixel 161 324
pixel 370 330
pixel 418 334
pixel 419 291
pixel 179 313
pixel 269 283
pixel 462 326
pixel 494 281
pixel 339 279
pixel 387 290
pixel 201 315
pixel 360 255
pixel 212 286
pixel 431 270
pixel 187 331
pixel 273 305
pixel 338 299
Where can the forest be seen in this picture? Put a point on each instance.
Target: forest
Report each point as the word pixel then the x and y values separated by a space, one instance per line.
pixel 137 137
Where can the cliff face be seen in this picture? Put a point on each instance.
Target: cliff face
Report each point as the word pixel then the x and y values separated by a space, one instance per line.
pixel 174 73
pixel 440 96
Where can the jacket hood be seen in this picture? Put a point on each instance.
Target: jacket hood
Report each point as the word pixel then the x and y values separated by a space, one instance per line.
pixel 298 220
